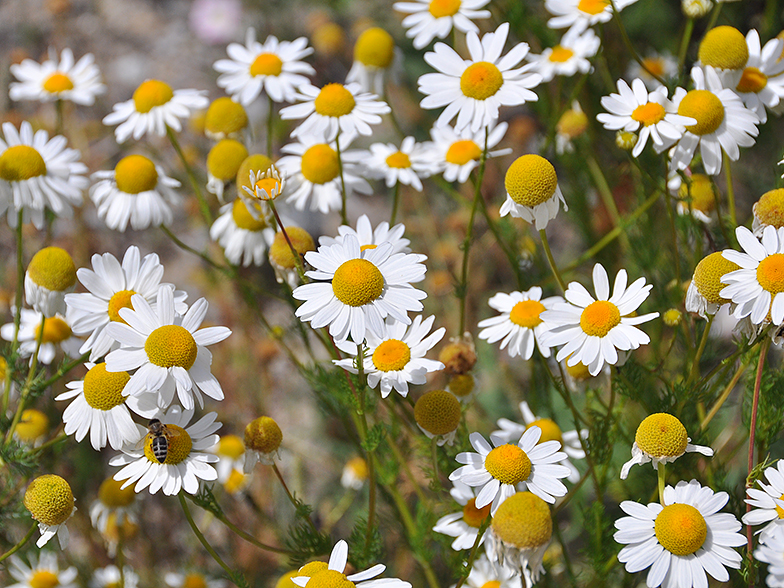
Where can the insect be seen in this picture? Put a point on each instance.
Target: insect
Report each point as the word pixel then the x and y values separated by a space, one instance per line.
pixel 160 435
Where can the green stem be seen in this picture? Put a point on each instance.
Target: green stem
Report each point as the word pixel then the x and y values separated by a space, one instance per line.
pixel 474 549
pixel 343 195
pixel 203 206
pixel 510 255
pixel 661 477
pixel 295 254
pixel 685 40
pixel 695 366
pixel 270 115
pixel 730 189
pixel 434 455
pixel 291 496
pixel 673 235
pixel 551 260
pixel 17 305
pixel 752 435
pixel 21 544
pixel 630 47
pixel 607 198
pixel 714 16
pixel 723 396
pixel 59 124
pixel 28 382
pixel 395 203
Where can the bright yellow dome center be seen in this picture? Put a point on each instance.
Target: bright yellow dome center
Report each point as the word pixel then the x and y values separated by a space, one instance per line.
pixel 593 7
pixel 225 158
pixel 243 218
pixel 320 164
pixel 524 521
pixel 255 162
pixel 437 412
pixel 234 482
pixel 56 330
pixel 474 517
pixel 52 268
pixel 135 174
pixel 312 568
pixel 194 581
pixel 170 346
pixel 334 100
pixel 654 65
pixel 44 579
pixel 463 151
pixel 680 529
pixel 461 385
pixel 705 107
pixel 703 198
pixel 572 123
pixel 20 163
pixel 150 94
pixel 481 80
pixel 231 446
pixel 102 389
pixel 49 499
pixel 648 114
pixel 509 464
pixel 224 116
pixel 599 318
pixel 707 276
pixel 280 252
pixel 266 64
pixel 661 435
pixel 770 273
pixel 550 431
pixel 110 493
pixel 399 160
pixel 560 54
pixel 180 445
pixel 357 282
pixel 752 81
pixel 58 82
pixel 32 425
pixel 329 579
pixel 440 8
pixel 375 48
pixel 769 209
pixel 724 48
pixel 526 313
pixel 263 435
pixel 391 355
pixel 492 584
pixel 531 180
pixel 121 299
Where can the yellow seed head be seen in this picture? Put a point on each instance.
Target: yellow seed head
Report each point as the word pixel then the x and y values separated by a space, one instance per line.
pixel 705 107
pixel 102 389
pixel 224 117
pixel 708 274
pixel 523 520
pixel 672 317
pixel 661 435
pixel 334 100
pixel 180 445
pixel 531 180
pixel 474 517
pixel 526 313
pixel 111 494
pixel 21 162
pixel 52 268
pixel 135 174
pixel 263 435
pixel 481 80
pixel 357 282
pixel 56 330
pixel 49 499
pixel 150 94
pixel 599 318
pixel 703 196
pixel 463 151
pixel 266 64
pixel 280 252
pixel 391 355
pixel 375 48
pixel 461 385
pixel 32 425
pixel 231 446
pixel 769 209
pixel 550 430
pixel 509 464
pixel 225 158
pixel 680 529
pixel 437 412
pixel 724 47
pixel 170 346
pixel 441 8
pixel 255 162
pixel 320 164
pixel 58 82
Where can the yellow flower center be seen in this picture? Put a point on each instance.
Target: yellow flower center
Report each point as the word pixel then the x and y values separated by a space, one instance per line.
pixel 180 444
pixel 509 464
pixel 170 346
pixel 135 174
pixel 661 435
pixel 329 579
pixel 44 579
pixel 705 107
pixel 560 54
pixel 492 584
pixel 194 581
pixel 280 252
pixel 599 318
pixel 526 313
pixel 266 64
pixel 708 274
pixel 113 528
pixel 461 385
pixel 550 431
pixel 654 65
pixel 312 568
pixel 243 218
pixel 702 195
pixel 231 446
pixel 463 151
pixel 56 330
pixel 150 94
pixel 255 162
pixel 648 114
pixel 531 180
pixel 58 82
pixel 779 510
pixel 52 268
pixel 481 80
pixel 672 317
pixel 32 425
pixel 358 467
pixel 357 282
pixel 111 494
pixel 225 158
pixel 320 164
pixel 225 116
pixel 375 48
pixel 399 160
pixel 724 48
pixel 437 412
pixel 523 520
pixel 121 299
pixel 268 187
pixel 439 8
pixel 572 123
pixel 474 517
pixel 680 529
pixel 263 435
pixel 752 81
pixel 593 7
pixel 102 389
pixel 21 162
pixel 391 355
pixel 769 209
pixel 234 482
pixel 49 499
pixel 579 371
pixel 334 100
pixel 770 273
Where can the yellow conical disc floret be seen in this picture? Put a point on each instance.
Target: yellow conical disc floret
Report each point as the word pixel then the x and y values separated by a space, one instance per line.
pixel 509 464
pixel 752 81
pixel 437 412
pixel 593 7
pixel 52 268
pixel 255 162
pixel 334 100
pixel 280 252
pixel 357 282
pixel 180 445
pixel 58 82
pixel 150 94
pixel 441 8
pixel 21 162
pixel 481 80
pixel 463 151
pixel 43 579
pixel 661 435
pixel 225 158
pixel 135 174
pixel 708 274
pixel 672 317
pixel 474 517
pixel 462 385
pixel 523 520
pixel 572 123
pixel 243 218
pixel 526 313
pixel 224 117
pixel 55 330
pixel 681 529
pixel 704 107
pixel 724 48
pixel 391 355
pixel 579 371
pixel 49 499
pixel 312 568
pixel 263 435
pixel 599 318
pixel 119 300
pixel 320 164
pixel 32 425
pixel 769 209
pixel 703 196
pixel 102 389
pixel 111 494
pixel 231 446
pixel 550 430
pixel 171 346
pixel 330 579
pixel 375 48
pixel 285 580
pixel 531 180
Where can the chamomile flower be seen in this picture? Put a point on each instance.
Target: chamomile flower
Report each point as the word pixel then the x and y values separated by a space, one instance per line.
pixel 682 539
pixel 398 358
pixel 243 238
pixel 428 19
pixel 724 49
pixel 407 164
pixel 57 334
pixel 519 325
pixel 276 67
pixel 661 438
pixel 186 462
pixel 57 79
pixel 571 125
pixel 223 163
pixel 165 349
pixel 370 238
pixel 761 86
pixel 581 14
pixel 663 64
pixel 766 501
pixel 32 428
pixel 335 109
pixel 593 330
pixel 457 154
pixel 42 571
pixel 136 191
pixel 50 274
pixel 569 56
pixel 651 113
pixel 697 198
pixel 109 577
pixel 532 191
pixel 262 441
pixel 154 107
pixel 355 290
pixel 374 55
pixel 768 210
pixel 502 468
pixel 355 473
pixel 313 171
pixel 437 414
pixel 231 462
pixel 486 573
pixel 192 580
pixel 474 89
pixel 723 122
pixel 772 553
pixel 115 505
pixel 38 173
pixel 463 525
pixel 110 287
pixel 50 501
pixel 285 262
pixel 703 295
pixel 225 119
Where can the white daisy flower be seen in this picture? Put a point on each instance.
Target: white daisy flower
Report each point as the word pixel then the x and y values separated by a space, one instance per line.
pixel 474 89
pixel 370 238
pixel 165 349
pixel 635 109
pixel 355 473
pixel 57 79
pixel 571 125
pixel 243 238
pixel 723 122
pixel 457 154
pixel 397 359
pixel 276 67
pixel 177 580
pixel 356 290
pixel 336 568
pixel 109 577
pixel 772 553
pixel 115 506
pixel 569 440
pixel 661 438
pixel 703 295
pixel 761 85
pixel 57 335
pixel 231 462
pixel 532 191
pixel 50 275
pixel 766 503
pixel 137 190
pixel 110 286
pixel 186 462
pixel 663 64
pixel 154 107
pixel 756 288
pixel 681 540
pixel 485 573
pixel 581 14
pixel 37 173
pixel 592 331
pixel 519 325
pixel 464 525
pixel 407 164
pixel 429 19
pixel 42 571
pixel 569 56
pixel 502 469
pixel 696 198
pixel 312 168
pixel 335 109
pixel 50 501
pixel 374 55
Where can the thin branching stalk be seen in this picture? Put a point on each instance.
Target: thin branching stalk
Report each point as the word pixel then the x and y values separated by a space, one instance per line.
pixel 270 118
pixel 730 189
pixel 662 479
pixel 684 46
pixel 395 203
pixel 290 496
pixel 21 543
pixel 474 551
pixel 723 396
pixel 295 254
pixel 551 261
pixel 25 392
pixel 695 364
pixel 195 184
pixel 630 47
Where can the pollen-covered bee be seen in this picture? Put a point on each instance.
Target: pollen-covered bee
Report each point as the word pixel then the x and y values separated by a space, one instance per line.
pixel 160 435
